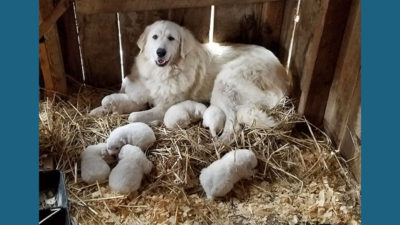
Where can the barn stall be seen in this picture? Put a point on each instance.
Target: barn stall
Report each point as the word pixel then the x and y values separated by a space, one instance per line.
pixel 309 165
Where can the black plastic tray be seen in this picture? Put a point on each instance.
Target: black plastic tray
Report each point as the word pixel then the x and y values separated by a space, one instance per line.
pixel 52 182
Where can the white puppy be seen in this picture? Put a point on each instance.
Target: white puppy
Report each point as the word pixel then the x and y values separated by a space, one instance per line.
pixel 183 114
pixel 138 134
pixel 219 177
pixel 214 119
pixel 127 175
pixel 93 166
pixel 173 66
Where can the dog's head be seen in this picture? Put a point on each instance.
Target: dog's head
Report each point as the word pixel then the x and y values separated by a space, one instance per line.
pixel 164 42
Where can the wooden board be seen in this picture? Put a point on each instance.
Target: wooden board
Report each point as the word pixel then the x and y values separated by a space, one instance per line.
pixel 237 24
pixel 319 69
pixel 100 49
pixel 346 77
pixel 45 67
pixel 270 25
pixel 106 6
pixel 306 37
pixel 56 13
pixel 350 142
pixel 69 46
pixel 342 119
pixel 50 54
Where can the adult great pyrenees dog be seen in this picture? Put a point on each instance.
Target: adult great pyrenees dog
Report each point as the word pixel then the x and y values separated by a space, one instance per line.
pixel 172 66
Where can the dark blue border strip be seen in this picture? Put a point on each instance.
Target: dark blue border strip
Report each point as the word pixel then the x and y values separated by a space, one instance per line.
pixel 19 112
pixel 380 38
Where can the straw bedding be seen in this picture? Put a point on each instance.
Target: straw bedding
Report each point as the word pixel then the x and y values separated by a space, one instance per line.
pixel 300 178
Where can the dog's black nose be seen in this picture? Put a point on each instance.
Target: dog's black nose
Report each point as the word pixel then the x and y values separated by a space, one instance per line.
pixel 161 52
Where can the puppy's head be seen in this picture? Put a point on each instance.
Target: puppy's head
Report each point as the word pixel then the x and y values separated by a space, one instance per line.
pixel 114 145
pixel 165 41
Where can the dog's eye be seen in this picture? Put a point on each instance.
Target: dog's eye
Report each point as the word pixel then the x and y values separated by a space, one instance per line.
pixel 171 38
pixel 155 37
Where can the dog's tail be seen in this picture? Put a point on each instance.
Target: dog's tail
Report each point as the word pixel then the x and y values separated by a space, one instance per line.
pixel 254 117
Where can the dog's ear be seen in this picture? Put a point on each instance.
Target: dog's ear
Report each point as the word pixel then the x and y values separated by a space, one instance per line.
pixel 187 42
pixel 142 39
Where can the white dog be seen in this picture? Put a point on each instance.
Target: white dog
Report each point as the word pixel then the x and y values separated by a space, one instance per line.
pixel 173 66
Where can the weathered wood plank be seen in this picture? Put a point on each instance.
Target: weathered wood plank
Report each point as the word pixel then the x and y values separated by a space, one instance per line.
pixel 58 11
pixel 350 142
pixel 70 46
pixel 51 48
pixel 318 75
pixel 306 39
pixel 271 24
pixel 106 6
pixel 45 68
pixel 237 24
pixel 342 119
pixel 346 77
pixel 100 49
pixel 197 20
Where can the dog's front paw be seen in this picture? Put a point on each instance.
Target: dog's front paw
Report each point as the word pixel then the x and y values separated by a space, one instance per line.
pixel 135 117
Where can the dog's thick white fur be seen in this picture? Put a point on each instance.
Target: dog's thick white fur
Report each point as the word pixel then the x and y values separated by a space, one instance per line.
pixel 183 114
pixel 173 66
pixel 219 177
pixel 127 175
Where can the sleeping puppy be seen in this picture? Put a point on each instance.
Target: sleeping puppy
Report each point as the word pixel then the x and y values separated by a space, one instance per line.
pixel 172 66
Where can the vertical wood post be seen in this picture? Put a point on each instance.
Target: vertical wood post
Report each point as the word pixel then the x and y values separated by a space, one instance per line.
pixel 50 54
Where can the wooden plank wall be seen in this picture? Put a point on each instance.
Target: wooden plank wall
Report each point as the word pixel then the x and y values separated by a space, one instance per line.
pixel 326 64
pixel 306 36
pixel 257 23
pixel 69 46
pixel 342 119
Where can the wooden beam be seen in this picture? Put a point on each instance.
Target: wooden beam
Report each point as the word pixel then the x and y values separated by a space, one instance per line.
pixel 345 78
pixel 51 49
pixel 51 20
pixel 107 6
pixel 271 25
pixel 318 72
pixel 45 66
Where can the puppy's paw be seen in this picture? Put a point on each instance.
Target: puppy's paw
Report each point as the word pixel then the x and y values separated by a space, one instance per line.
pixel 99 111
pixel 226 138
pixel 108 103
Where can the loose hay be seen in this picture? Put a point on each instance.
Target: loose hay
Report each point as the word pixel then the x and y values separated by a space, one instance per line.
pixel 300 177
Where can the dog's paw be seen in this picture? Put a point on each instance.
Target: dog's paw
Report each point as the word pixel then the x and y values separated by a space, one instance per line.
pixel 135 117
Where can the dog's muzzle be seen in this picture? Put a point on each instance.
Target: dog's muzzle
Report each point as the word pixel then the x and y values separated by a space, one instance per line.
pixel 161 62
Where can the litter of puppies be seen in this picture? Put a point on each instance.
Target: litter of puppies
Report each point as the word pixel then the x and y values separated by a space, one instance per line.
pixel 299 177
